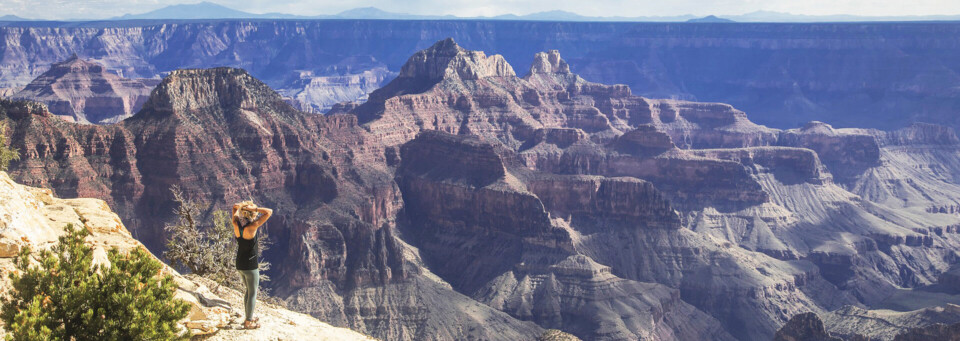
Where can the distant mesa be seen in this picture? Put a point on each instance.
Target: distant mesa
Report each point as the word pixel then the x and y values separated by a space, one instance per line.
pixel 711 19
pixel 85 91
pixel 366 12
pixel 376 13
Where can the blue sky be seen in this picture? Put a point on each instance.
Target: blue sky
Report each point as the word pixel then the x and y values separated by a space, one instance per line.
pixel 95 9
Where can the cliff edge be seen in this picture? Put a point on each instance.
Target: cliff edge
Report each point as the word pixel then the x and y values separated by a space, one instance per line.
pixel 33 217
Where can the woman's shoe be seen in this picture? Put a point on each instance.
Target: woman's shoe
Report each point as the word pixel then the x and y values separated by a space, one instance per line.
pixel 250 324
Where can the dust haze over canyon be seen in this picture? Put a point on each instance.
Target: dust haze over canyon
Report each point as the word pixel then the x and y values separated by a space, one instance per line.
pixel 499 190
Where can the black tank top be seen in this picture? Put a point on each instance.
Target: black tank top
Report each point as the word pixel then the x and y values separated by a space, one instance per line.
pixel 247 252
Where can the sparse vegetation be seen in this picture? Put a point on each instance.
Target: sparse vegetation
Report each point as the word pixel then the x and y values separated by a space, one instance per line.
pixel 7 154
pixel 207 250
pixel 64 296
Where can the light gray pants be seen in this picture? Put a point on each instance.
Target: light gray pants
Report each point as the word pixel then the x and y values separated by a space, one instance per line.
pixel 251 280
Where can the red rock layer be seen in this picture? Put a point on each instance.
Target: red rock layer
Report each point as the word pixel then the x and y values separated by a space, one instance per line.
pixel 84 91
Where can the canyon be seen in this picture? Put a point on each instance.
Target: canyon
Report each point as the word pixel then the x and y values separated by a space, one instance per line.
pixel 465 200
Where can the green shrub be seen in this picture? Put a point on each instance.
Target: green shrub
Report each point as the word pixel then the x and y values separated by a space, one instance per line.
pixel 66 297
pixel 7 154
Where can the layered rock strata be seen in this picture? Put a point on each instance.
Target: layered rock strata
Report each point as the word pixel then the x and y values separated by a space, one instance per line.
pixel 84 91
pixel 500 236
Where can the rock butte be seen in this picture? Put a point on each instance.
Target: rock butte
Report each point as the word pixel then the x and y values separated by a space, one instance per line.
pixel 84 91
pixel 463 201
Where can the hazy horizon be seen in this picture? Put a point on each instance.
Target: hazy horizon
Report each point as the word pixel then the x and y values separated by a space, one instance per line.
pixel 105 9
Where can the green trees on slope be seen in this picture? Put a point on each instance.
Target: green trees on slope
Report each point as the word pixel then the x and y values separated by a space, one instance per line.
pixel 7 154
pixel 65 296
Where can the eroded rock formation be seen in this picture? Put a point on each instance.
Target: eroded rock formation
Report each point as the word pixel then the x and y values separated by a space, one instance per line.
pixel 84 91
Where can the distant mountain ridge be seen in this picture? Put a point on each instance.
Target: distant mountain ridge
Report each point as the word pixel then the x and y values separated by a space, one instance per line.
pixel 11 17
pixel 210 10
pixel 202 10
pixel 711 19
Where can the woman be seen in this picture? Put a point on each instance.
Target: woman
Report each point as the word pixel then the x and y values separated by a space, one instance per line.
pixel 247 218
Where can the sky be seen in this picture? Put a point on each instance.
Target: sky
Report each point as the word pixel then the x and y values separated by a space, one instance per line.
pixel 99 9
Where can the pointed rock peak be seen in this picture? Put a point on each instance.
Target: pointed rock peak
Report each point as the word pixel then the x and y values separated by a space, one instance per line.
pixel 75 63
pixel 446 60
pixel 217 93
pixel 447 46
pixel 549 62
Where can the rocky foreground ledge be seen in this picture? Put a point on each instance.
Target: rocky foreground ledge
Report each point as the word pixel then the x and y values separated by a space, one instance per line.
pixel 33 217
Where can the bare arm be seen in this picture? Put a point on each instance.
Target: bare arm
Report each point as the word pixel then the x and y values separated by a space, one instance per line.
pixel 233 221
pixel 251 231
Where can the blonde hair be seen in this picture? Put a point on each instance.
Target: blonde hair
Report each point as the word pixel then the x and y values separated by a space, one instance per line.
pixel 245 213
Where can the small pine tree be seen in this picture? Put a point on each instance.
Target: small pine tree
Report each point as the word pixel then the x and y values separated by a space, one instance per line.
pixel 66 297
pixel 7 154
pixel 31 323
pixel 141 301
